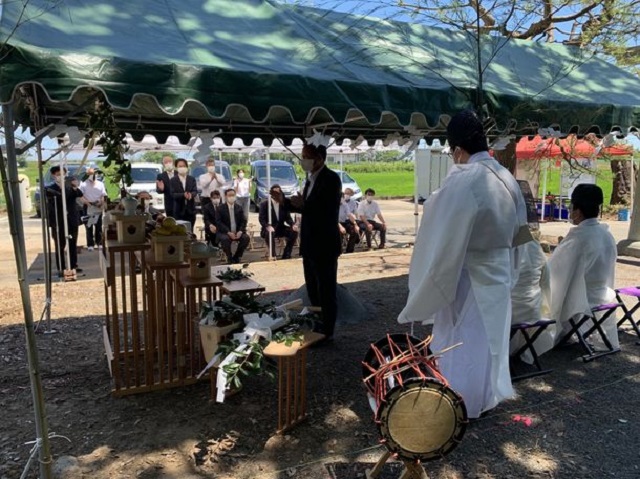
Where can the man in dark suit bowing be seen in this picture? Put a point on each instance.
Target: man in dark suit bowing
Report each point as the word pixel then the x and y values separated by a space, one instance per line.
pixel 320 243
pixel 232 226
pixel 163 184
pixel 280 224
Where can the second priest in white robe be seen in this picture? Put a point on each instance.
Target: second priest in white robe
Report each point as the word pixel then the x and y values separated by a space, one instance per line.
pixel 462 271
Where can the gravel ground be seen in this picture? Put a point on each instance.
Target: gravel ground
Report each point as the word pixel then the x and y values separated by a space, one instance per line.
pixel 584 417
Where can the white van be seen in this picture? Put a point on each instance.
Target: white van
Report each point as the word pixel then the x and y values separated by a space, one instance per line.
pixel 144 177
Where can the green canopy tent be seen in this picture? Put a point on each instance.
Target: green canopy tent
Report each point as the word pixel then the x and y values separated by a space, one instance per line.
pixel 251 68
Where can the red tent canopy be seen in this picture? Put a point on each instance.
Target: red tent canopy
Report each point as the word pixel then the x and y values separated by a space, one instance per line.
pixel 567 147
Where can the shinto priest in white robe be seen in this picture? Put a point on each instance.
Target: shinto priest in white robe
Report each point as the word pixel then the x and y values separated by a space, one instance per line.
pixel 530 298
pixel 582 275
pixel 463 268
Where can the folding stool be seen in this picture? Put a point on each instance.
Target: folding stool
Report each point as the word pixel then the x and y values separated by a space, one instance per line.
pixel 592 353
pixel 529 340
pixel 628 313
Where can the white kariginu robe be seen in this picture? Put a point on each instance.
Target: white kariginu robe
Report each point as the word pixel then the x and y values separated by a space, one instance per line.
pixel 461 275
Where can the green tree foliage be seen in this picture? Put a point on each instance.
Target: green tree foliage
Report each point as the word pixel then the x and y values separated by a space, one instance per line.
pixel 607 27
pixel 156 156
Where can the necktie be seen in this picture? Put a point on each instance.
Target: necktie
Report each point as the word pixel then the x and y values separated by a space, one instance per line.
pixel 306 188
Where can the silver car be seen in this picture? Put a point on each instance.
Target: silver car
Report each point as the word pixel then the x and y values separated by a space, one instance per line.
pixel 349 182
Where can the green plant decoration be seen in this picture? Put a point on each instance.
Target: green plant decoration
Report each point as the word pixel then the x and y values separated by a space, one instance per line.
pixel 104 132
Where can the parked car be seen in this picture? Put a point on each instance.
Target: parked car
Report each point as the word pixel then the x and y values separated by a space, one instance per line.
pixel 222 168
pixel 144 176
pixel 282 172
pixel 349 182
pixel 74 170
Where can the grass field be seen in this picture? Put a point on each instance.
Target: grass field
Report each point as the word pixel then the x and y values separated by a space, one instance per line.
pixel 393 183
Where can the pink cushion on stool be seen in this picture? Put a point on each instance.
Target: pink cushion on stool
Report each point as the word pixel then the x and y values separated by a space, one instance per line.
pixel 604 307
pixel 629 291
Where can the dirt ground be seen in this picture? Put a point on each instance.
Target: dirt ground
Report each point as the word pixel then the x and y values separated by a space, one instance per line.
pixel 585 421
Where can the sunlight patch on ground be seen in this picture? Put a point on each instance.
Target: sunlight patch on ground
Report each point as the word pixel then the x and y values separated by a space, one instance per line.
pixel 533 460
pixel 577 372
pixel 540 386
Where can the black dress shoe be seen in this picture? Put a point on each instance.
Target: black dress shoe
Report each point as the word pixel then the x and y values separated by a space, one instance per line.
pixel 79 270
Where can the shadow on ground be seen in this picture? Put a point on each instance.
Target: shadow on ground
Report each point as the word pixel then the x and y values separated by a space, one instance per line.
pixel 584 417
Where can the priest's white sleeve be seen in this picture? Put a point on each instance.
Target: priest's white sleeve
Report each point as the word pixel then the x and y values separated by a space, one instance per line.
pixel 440 249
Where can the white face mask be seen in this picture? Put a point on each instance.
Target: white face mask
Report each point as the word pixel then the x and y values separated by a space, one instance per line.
pixel 216 201
pixel 211 169
pixel 240 175
pixel 306 164
pixel 231 199
pixel 183 170
pixel 369 199
pixel 168 167
pixel 347 197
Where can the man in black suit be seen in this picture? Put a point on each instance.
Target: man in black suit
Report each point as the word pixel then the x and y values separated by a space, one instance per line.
pixel 56 218
pixel 163 184
pixel 281 224
pixel 209 215
pixel 320 243
pixel 184 191
pixel 232 226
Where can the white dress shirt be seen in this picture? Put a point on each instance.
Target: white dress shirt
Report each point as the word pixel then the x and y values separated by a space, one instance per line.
pixel 208 185
pixel 312 180
pixel 93 190
pixel 369 210
pixel 242 187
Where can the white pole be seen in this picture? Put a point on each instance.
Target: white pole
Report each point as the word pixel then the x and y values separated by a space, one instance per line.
pixel 63 188
pixel 545 166
pixel 341 167
pixel 416 213
pixel 9 175
pixel 270 234
pixel 631 188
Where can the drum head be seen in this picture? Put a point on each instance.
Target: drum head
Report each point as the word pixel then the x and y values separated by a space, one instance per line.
pixel 422 420
pixel 402 340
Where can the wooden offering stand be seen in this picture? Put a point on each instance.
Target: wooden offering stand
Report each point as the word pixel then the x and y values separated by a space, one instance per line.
pixel 125 332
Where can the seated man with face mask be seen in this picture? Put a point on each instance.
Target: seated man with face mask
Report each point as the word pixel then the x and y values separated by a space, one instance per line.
pixel 280 224
pixel 232 226
pixel 348 219
pixel 368 210
pixel 209 216
pixel 582 268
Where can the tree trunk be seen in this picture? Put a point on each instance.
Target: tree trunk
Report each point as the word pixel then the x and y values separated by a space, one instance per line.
pixel 621 192
pixel 507 157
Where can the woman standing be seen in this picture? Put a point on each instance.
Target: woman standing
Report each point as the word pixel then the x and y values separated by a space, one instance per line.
pixel 242 186
pixel 184 191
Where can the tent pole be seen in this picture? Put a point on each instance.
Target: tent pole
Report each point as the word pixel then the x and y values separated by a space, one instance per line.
pixel 633 179
pixel 46 244
pixel 38 137
pixel 9 172
pixel 270 234
pixel 65 220
pixel 544 187
pixel 416 202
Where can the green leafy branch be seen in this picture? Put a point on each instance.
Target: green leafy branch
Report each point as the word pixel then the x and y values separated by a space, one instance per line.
pixel 234 274
pixel 104 132
pixel 251 362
